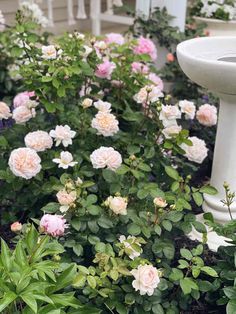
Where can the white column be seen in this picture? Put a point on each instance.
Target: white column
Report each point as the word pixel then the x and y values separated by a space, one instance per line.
pixel 50 13
pixel 95 11
pixel 223 168
pixel 70 12
pixel 142 8
pixel 176 8
pixel 109 9
pixel 81 13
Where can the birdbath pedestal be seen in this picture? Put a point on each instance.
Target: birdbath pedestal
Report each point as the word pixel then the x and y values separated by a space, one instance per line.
pixel 211 63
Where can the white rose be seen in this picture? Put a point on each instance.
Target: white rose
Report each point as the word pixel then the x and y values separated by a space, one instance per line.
pixel 188 108
pixel 117 204
pixel 197 152
pixel 146 279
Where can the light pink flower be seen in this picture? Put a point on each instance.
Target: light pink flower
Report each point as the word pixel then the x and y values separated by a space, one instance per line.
pixel 138 67
pixel 117 204
pixel 159 202
pixel 146 46
pixel 53 225
pixel 23 114
pixel 170 57
pixel 24 162
pixel 21 99
pixel 105 123
pixel 65 161
pixel 115 38
pixel 148 94
pixel 146 279
pixel 169 112
pixel 197 152
pixel 86 103
pixel 16 226
pixel 103 106
pixel 66 199
pixel 207 115
pixel 105 69
pixel 5 112
pixel 62 134
pixel 49 52
pixel 38 140
pixel 106 157
pixel 171 130
pixel 188 108
pixel 156 80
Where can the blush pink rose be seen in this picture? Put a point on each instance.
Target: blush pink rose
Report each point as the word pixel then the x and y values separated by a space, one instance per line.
pixel 156 80
pixel 5 112
pixel 207 115
pixel 24 162
pixel 146 46
pixel 22 98
pixel 117 204
pixel 23 114
pixel 16 226
pixel 146 279
pixel 106 157
pixel 105 123
pixel 138 67
pixel 38 140
pixel 66 198
pixel 53 225
pixel 114 38
pixel 105 69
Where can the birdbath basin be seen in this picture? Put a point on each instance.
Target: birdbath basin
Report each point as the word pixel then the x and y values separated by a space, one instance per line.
pixel 211 63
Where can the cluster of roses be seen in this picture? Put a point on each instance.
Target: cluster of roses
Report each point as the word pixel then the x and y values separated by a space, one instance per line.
pixel 26 163
pixel 206 115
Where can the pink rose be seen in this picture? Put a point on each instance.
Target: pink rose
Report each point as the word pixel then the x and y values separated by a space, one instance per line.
pixel 38 140
pixel 63 134
pixel 156 80
pixel 16 226
pixel 138 67
pixel 106 157
pixel 5 112
pixel 24 162
pixel 53 225
pixel 146 279
pixel 146 46
pixel 207 115
pixel 23 114
pixel 105 69
pixel 22 98
pixel 66 199
pixel 170 57
pixel 115 38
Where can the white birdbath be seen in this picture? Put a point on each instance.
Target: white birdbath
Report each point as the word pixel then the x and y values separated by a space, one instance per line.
pixel 211 63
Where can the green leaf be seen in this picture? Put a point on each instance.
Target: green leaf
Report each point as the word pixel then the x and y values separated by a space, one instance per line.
pixel 30 301
pixel 198 199
pixel 105 222
pixel 172 173
pixel 31 239
pixel 92 282
pixel 133 229
pixel 209 271
pixel 5 255
pixel 51 207
pixel 66 278
pixel 208 190
pixel 7 299
pixel 176 274
pixel 186 254
pixel 187 285
pixel 76 224
pixel 78 249
pixel 167 225
pixel 231 307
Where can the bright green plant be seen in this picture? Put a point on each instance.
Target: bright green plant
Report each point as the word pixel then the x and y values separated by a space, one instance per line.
pixel 32 278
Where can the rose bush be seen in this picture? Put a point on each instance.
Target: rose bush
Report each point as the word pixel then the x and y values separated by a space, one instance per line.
pixel 96 146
